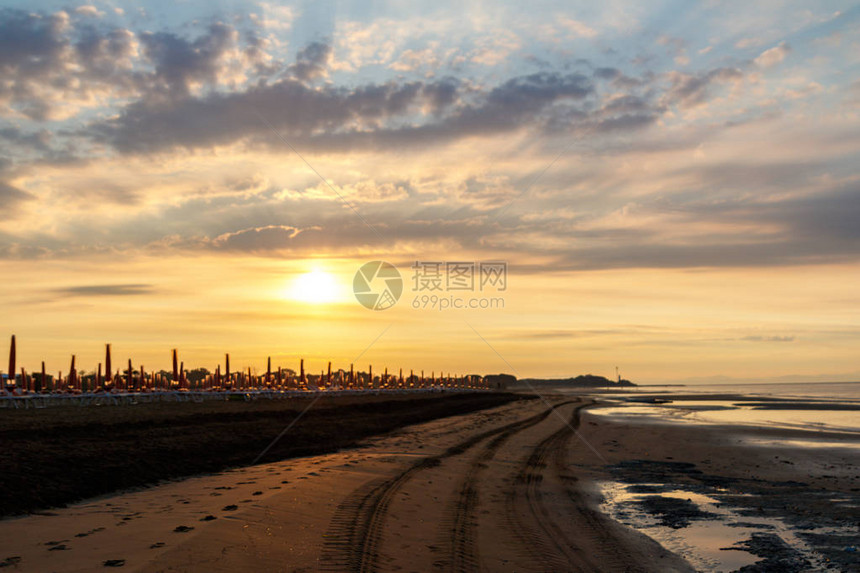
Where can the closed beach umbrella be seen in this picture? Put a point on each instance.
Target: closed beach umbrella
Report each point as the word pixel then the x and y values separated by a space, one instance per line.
pixel 12 362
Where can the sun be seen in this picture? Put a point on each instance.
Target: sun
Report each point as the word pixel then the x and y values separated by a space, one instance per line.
pixel 314 287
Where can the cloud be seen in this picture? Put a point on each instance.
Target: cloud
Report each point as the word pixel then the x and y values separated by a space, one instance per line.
pixel 428 60
pixel 576 27
pixel 773 56
pixel 494 49
pixel 220 119
pixel 32 49
pixel 11 197
pixel 37 141
pixel 160 135
pixel 745 43
pixel 53 69
pixel 756 338
pixel 274 17
pixel 89 10
pixel 105 290
pixel 852 92
pixel 331 117
pixel 181 63
pixel 677 47
pixel 815 229
pixel 690 90
pixel 312 61
pixel 562 334
pixel 273 237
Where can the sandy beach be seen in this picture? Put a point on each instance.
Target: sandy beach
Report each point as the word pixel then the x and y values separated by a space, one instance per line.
pixel 513 488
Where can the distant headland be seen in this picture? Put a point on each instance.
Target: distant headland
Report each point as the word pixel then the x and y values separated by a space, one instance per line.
pixel 581 381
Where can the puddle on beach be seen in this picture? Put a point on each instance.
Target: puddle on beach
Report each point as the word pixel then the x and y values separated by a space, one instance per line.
pixel 705 535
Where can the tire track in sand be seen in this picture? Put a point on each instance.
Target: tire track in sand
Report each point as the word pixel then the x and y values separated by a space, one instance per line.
pixel 463 555
pixel 354 535
pixel 577 539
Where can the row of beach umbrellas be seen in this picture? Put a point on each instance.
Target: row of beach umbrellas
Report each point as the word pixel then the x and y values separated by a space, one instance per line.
pixel 179 379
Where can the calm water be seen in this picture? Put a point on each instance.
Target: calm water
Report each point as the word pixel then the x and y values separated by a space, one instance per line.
pixel 816 390
pixel 807 406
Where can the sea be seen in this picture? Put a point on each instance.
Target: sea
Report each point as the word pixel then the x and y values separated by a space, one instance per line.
pixel 813 406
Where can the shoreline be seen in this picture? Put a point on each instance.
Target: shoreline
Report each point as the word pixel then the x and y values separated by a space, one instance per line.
pixel 747 490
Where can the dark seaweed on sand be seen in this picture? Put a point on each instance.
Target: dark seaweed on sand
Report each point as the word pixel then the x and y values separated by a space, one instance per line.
pixel 56 456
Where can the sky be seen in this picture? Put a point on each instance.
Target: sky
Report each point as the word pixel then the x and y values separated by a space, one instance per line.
pixel 672 188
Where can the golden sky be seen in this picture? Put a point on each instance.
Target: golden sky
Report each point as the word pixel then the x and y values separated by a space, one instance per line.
pixel 673 188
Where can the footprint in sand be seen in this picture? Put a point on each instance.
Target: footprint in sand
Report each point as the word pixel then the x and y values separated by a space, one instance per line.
pixel 230 508
pixel 257 493
pixel 157 545
pixel 10 561
pixel 60 547
pixel 114 563
pixel 90 532
pixel 208 518
pixel 182 529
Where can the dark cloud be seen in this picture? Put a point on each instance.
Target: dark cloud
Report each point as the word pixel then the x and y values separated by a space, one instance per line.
pixel 825 220
pixel 30 43
pixel 219 119
pixel 48 61
pixel 627 104
pixel 31 50
pixel 11 197
pixel 312 61
pixel 441 94
pixel 617 79
pixel 816 229
pixel 37 141
pixel 105 290
pixel 335 118
pixel 607 73
pixel 180 62
pixel 180 91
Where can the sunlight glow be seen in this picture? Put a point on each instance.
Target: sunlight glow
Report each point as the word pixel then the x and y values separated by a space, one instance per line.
pixel 315 287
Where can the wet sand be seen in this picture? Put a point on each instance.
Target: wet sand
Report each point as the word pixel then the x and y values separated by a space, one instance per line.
pixel 508 489
pixel 790 495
